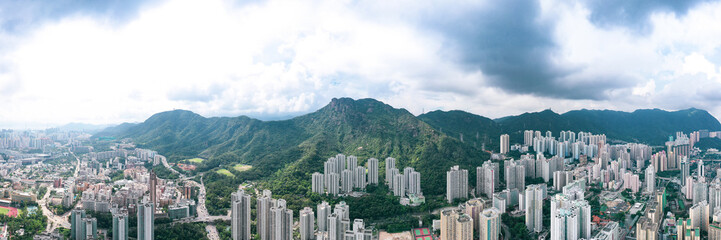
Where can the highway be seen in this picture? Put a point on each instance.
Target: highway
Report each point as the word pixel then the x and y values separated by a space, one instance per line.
pixel 55 221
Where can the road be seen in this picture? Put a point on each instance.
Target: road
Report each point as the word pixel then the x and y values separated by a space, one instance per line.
pixel 506 233
pixel 55 221
pixel 165 163
pixel 203 213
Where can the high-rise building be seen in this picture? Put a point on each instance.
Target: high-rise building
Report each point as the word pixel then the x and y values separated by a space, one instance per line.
pixel 489 224
pixel 534 207
pixel 515 174
pixel 346 181
pixel 333 184
pixel 685 170
pixel 76 223
pixel 324 210
pixel 281 222
pixel 486 178
pixel 372 171
pixel 504 143
pixel 152 182
pixel 390 164
pixel 399 185
pixel 700 191
pixel 307 223
pixel 686 231
pixel 570 216
pixel 714 195
pixel 146 218
pixel 120 225
pixel 352 162
pixel 456 225
pixel 456 183
pixel 528 138
pixel 699 215
pixel 265 202
pixel 317 186
pixel 473 208
pixel 414 183
pixel 714 231
pixel 359 232
pixel 240 215
pixel 650 179
pixel 88 229
pixel 359 177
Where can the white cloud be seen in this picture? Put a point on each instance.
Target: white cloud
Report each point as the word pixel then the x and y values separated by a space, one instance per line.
pixel 288 57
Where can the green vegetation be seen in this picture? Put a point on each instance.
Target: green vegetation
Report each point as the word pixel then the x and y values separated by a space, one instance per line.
pixel 180 231
pixel 4 211
pixel 242 167
pixel 285 153
pixel 195 160
pixel 225 172
pixel 41 192
pixel 31 224
pixel 117 175
pixel 669 174
pixel 516 227
pixel 706 143
pixel 164 173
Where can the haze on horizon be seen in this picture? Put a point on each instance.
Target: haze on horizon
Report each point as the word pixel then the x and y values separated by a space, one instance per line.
pixel 107 62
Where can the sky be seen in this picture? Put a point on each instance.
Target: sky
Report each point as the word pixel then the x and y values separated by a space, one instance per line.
pixel 108 62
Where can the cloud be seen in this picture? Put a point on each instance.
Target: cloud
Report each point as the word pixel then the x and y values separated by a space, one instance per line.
pixel 271 59
pixel 635 14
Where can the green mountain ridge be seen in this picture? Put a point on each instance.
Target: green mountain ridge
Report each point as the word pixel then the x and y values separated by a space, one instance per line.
pixel 285 153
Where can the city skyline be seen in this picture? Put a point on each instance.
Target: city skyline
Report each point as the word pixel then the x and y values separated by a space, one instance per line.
pixel 122 61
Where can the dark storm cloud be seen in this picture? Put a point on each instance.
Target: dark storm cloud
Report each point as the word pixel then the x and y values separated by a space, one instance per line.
pixel 516 49
pixel 21 15
pixel 634 14
pixel 511 46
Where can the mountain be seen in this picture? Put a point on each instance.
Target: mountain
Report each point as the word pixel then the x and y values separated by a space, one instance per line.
pixel 86 127
pixel 471 129
pixel 286 153
pixel 652 126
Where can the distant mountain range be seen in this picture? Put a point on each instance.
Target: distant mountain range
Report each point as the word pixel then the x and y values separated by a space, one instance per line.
pixel 432 142
pixel 86 127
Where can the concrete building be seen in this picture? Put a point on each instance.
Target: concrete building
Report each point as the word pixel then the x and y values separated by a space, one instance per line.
pixel 487 178
pixel 515 174
pixel 699 215
pixel 307 224
pixel 76 223
pixel 489 224
pixel 146 218
pixel 120 224
pixel 372 171
pixel 318 180
pixel 324 210
pixel 456 225
pixel 534 207
pixel 650 179
pixel 346 177
pixel 264 203
pixel 456 184
pixel 399 185
pixel 359 177
pixel 333 184
pixel 240 215
pixel 414 183
pixel 390 164
pixel 281 222
pixel 504 143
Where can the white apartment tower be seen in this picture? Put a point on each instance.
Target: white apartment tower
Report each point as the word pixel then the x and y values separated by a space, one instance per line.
pixel 307 223
pixel 504 143
pixel 240 215
pixel 456 183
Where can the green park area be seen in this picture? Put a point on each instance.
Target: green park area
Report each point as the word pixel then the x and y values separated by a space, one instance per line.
pixel 4 211
pixel 195 160
pixel 242 167
pixel 225 172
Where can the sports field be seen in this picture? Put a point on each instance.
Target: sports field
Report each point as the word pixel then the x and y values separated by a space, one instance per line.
pixel 242 167
pixel 10 211
pixel 195 160
pixel 225 172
